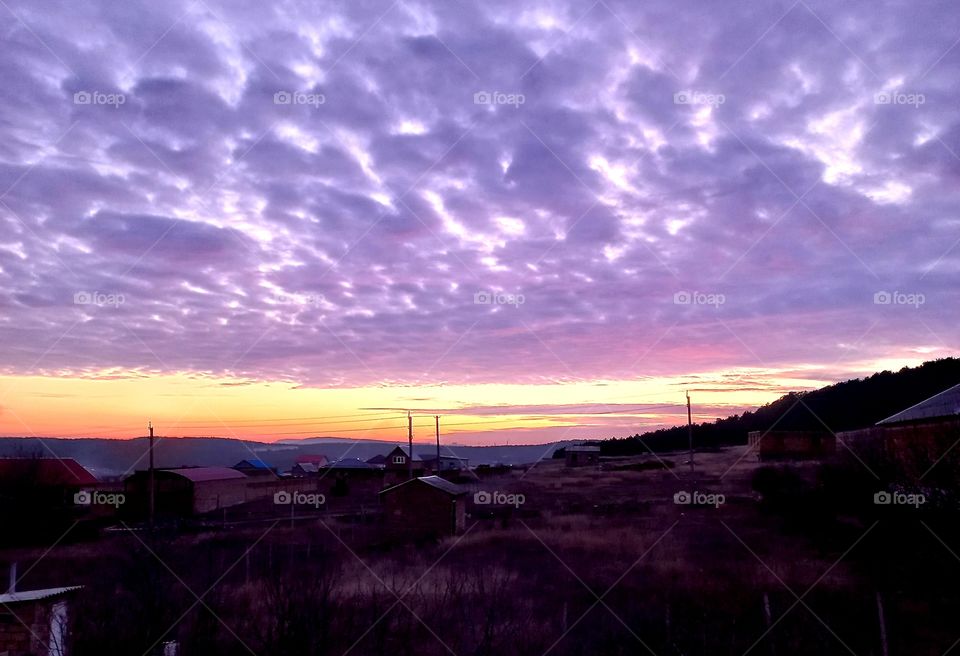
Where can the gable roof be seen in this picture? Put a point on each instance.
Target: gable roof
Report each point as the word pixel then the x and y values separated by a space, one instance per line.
pixel 944 404
pixel 47 471
pixel 314 459
pixel 202 474
pixel 252 463
pixel 306 467
pixel 378 459
pixel 403 451
pixel 436 482
pixel 348 463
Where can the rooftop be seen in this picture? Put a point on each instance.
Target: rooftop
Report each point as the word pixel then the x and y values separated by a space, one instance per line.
pixel 944 404
pixel 201 474
pixel 47 471
pixel 36 595
pixel 433 481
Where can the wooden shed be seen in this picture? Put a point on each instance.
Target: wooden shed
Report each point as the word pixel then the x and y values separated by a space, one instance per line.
pixel 579 455
pixel 36 621
pixel 424 507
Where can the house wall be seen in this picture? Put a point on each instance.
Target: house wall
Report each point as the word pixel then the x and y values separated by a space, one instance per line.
pixel 772 445
pixel 909 449
pixel 419 510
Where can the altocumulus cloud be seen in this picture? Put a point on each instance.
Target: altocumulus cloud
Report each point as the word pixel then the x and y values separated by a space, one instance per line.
pixel 320 193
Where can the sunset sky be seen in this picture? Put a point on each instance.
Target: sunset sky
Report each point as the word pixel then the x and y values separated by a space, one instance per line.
pixel 541 220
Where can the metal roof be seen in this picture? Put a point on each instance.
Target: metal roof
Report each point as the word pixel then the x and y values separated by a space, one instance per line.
pixel 348 463
pixel 306 467
pixel 944 404
pixel 252 463
pixel 441 484
pixel 47 471
pixel 202 474
pixel 583 448
pixel 36 595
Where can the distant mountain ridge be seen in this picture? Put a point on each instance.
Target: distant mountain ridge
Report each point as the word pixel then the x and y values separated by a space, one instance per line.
pixel 111 457
pixel 856 403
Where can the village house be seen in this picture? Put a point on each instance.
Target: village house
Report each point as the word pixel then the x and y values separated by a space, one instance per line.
pixel 303 469
pixel 579 455
pixel 398 460
pixel 397 467
pixel 426 507
pixel 254 467
pixel 35 622
pixel 350 477
pixel 317 460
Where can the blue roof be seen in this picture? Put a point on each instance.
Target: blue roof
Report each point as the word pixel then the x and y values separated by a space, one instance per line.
pixel 255 463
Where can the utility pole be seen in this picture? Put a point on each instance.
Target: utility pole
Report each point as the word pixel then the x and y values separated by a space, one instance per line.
pixel 437 417
pixel 410 438
pixel 690 431
pixel 150 477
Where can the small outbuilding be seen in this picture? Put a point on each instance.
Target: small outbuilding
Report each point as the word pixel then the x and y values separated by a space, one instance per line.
pixel 426 507
pixel 581 455
pixel 36 621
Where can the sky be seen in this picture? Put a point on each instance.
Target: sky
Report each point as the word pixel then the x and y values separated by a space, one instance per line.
pixel 540 220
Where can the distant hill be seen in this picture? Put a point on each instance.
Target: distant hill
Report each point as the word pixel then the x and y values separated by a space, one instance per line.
pixel 843 406
pixel 112 457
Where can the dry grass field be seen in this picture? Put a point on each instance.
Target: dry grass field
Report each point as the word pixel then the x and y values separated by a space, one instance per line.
pixel 582 561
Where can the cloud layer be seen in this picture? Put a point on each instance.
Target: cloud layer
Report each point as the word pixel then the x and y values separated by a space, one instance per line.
pixel 386 192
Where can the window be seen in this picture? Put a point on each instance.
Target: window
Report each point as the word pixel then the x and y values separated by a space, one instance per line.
pixel 399 460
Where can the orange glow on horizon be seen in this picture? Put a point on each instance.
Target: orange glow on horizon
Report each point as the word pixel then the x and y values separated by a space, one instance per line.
pixel 119 406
